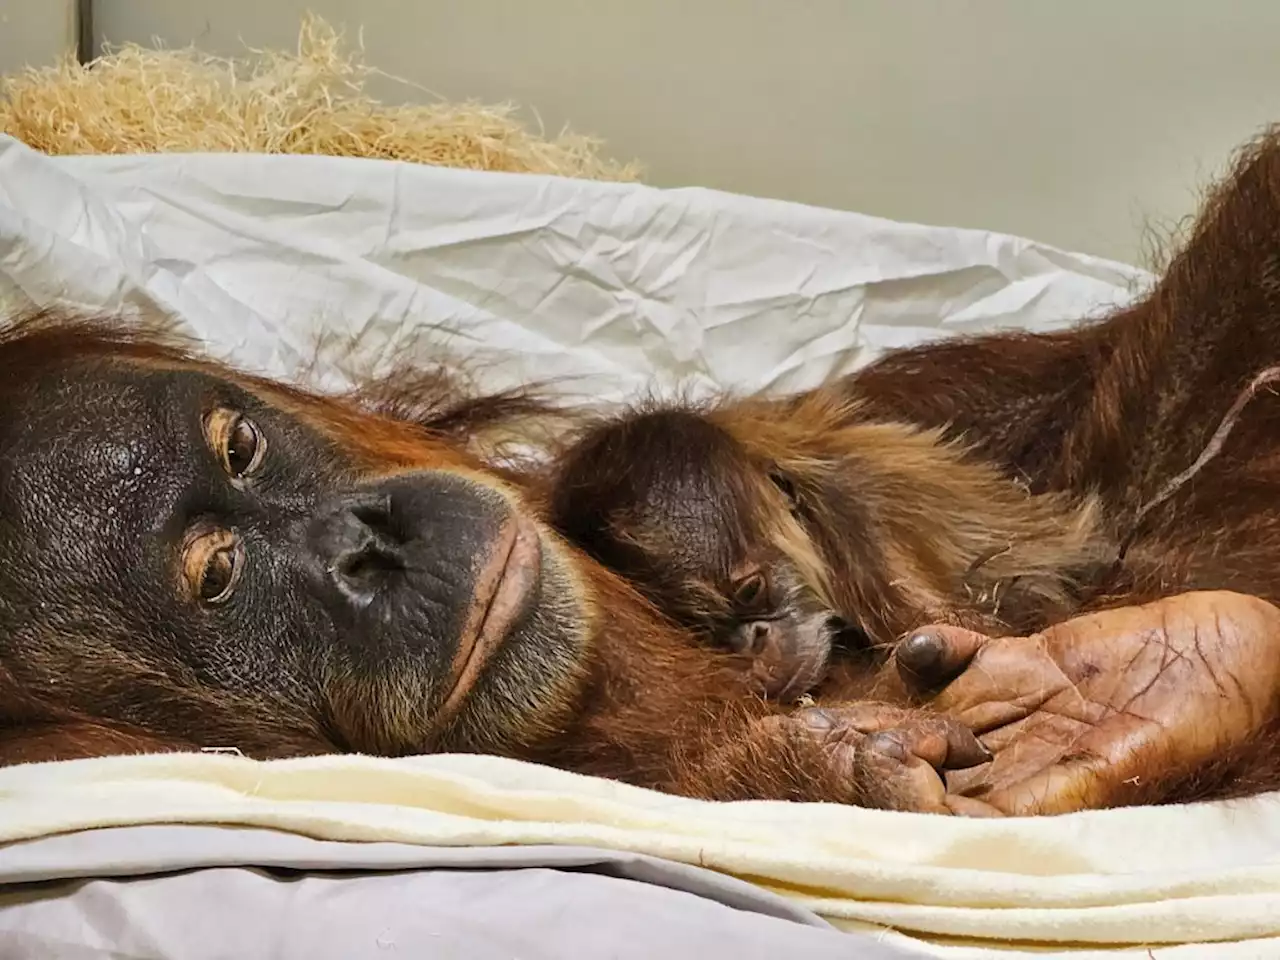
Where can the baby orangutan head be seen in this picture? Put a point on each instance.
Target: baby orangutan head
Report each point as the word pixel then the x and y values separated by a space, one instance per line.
pixel 674 503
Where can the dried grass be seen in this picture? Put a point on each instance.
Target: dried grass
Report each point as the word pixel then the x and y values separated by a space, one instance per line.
pixel 139 100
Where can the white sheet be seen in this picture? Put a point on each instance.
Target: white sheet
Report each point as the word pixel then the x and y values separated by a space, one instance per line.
pixel 604 285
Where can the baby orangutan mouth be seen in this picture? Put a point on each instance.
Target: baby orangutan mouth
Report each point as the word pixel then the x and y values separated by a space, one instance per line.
pixel 505 592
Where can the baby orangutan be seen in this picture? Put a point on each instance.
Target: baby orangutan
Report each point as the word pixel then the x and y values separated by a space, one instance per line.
pixel 784 538
pixel 670 500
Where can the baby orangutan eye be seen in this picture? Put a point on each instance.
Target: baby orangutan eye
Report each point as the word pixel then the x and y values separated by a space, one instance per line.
pixel 751 593
pixel 212 564
pixel 786 488
pixel 236 440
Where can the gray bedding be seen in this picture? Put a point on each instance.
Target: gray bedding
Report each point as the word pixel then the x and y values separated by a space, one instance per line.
pixel 200 893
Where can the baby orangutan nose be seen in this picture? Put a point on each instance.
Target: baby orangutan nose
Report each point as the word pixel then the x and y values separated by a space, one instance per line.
pixel 789 653
pixel 754 638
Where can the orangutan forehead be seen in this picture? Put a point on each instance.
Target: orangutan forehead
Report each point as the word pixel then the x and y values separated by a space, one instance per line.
pixel 105 434
pixel 206 383
pixel 99 394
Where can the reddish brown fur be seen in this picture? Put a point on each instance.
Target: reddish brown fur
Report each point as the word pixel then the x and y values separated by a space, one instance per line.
pixel 675 503
pixel 1110 409
pixel 1120 406
pixel 914 529
pixel 882 524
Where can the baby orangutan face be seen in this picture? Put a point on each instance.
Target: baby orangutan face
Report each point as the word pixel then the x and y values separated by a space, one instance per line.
pixel 673 503
pixel 772 616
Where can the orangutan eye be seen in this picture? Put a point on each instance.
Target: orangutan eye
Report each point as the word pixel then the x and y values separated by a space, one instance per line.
pixel 212 564
pixel 237 441
pixel 751 592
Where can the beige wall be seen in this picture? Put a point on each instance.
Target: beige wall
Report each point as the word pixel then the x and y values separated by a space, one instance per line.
pixel 1072 122
pixel 35 32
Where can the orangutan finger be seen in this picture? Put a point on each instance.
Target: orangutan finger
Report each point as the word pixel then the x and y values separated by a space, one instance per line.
pixel 934 655
pixel 969 782
pixel 1081 782
pixel 971 807
pixel 864 716
pixel 911 778
pixel 964 749
pixel 1006 681
pixel 1022 749
pixel 943 741
pixel 941 744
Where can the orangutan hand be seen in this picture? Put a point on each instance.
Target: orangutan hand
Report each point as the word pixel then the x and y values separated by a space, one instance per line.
pixel 1084 710
pixel 896 755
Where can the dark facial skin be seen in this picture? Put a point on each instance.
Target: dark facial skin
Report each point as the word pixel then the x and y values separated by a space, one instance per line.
pixel 244 564
pixel 778 621
pixel 672 503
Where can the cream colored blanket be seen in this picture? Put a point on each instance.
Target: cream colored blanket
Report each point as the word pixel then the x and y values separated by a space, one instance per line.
pixel 1170 883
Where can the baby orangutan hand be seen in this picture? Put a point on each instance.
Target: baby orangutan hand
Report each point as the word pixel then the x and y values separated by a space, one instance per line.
pixel 1079 716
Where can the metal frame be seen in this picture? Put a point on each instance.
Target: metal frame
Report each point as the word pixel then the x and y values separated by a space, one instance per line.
pixel 86 48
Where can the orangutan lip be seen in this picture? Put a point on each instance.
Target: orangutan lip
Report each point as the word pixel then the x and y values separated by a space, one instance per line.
pixel 503 593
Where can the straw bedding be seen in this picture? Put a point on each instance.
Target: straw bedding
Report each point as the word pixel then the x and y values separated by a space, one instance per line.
pixel 312 101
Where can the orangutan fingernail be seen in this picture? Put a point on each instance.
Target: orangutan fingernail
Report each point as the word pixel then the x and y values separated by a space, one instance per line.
pixel 920 653
pixel 817 719
pixel 888 745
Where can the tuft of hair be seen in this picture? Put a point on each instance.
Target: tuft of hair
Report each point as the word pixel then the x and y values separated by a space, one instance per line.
pixel 51 334
pixel 510 428
pixel 914 527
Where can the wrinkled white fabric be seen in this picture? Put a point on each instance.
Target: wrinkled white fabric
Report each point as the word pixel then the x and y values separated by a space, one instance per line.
pixel 603 287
